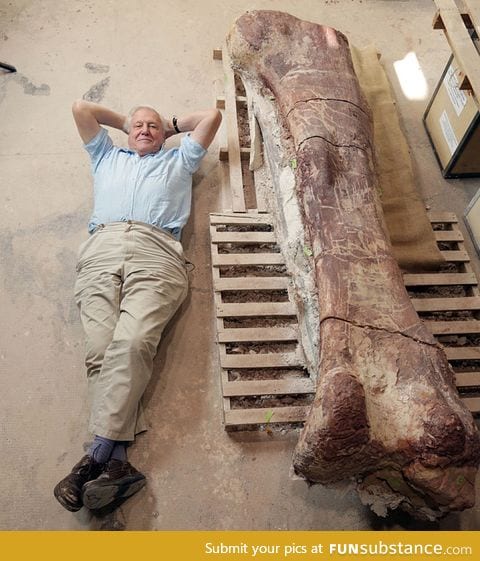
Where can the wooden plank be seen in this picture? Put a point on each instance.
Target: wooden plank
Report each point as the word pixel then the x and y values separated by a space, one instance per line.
pixel 256 157
pixel 460 42
pixel 260 360
pixel 233 142
pixel 252 309
pixel 222 349
pixel 243 237
pixel 293 414
pixel 456 256
pixel 438 22
pixel 439 217
pixel 473 404
pixel 453 327
pixel 244 154
pixel 240 100
pixel 439 279
pixel 467 267
pixel 245 219
pixel 269 387
pixel 245 259
pixel 251 283
pixel 462 353
pixel 474 13
pixel 467 379
pixel 446 304
pixel 242 334
pixel 448 235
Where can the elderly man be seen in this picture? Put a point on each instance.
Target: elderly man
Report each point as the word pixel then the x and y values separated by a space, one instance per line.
pixel 131 280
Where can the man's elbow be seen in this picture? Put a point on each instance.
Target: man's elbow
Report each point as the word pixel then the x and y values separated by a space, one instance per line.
pixel 216 117
pixel 79 106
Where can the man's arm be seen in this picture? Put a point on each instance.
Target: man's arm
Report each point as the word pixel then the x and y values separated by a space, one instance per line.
pixel 203 125
pixel 89 116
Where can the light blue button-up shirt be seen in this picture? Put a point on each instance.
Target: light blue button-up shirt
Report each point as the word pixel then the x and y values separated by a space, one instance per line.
pixel 155 188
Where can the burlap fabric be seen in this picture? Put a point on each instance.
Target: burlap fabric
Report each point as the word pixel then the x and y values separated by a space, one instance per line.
pixel 412 238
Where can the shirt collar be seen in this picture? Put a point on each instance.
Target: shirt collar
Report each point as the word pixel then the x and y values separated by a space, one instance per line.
pixel 129 151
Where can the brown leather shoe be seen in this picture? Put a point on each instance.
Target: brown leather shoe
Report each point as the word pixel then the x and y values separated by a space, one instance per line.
pixel 118 480
pixel 68 491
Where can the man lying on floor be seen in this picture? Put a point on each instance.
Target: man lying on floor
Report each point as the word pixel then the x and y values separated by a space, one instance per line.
pixel 131 280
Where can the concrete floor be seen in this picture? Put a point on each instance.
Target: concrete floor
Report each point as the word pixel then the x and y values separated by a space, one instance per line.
pixel 160 53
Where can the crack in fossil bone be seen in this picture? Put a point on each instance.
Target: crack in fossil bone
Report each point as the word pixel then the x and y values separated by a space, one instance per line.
pixel 384 329
pixel 325 99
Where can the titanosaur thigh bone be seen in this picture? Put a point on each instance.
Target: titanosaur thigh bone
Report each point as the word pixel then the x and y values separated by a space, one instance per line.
pixel 386 412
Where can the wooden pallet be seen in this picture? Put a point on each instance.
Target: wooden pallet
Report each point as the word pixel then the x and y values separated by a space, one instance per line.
pixel 281 329
pixel 457 25
pixel 241 160
pixel 244 244
pixel 450 329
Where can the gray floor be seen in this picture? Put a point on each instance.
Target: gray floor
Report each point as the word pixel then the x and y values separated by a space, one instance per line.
pixel 159 53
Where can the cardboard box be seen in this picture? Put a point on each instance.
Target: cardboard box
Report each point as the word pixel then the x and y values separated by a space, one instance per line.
pixel 452 121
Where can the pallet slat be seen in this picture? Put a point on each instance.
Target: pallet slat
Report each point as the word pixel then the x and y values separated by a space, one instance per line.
pixel 252 309
pixel 261 360
pixel 240 99
pixel 448 235
pixel 453 327
pixel 474 13
pixel 446 304
pixel 231 259
pixel 251 283
pixel 458 256
pixel 462 353
pixel 244 154
pixel 234 161
pixel 293 414
pixel 439 279
pixel 256 334
pixel 247 219
pixel 467 379
pixel 268 387
pixel 473 404
pixel 439 217
pixel 243 237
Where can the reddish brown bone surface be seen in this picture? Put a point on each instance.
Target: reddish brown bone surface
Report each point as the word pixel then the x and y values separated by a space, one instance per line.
pixel 386 411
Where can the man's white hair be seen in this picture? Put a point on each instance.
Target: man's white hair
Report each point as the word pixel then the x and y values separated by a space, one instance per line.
pixel 133 110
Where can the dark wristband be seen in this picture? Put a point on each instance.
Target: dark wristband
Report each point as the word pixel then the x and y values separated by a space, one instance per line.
pixel 174 123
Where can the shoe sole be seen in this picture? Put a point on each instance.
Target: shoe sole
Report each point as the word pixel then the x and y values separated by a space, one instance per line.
pixel 61 499
pixel 97 495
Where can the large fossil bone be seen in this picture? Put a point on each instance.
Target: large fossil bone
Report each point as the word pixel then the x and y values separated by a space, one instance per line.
pixel 386 412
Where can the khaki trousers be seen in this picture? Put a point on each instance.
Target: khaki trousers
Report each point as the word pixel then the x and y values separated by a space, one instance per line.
pixel 131 280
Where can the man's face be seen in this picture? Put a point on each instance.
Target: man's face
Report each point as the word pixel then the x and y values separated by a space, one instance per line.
pixel 146 134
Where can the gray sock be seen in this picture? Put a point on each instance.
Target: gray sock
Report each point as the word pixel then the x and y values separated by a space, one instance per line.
pixel 101 449
pixel 119 452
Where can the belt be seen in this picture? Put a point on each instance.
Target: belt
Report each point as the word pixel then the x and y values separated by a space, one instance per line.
pixel 151 227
